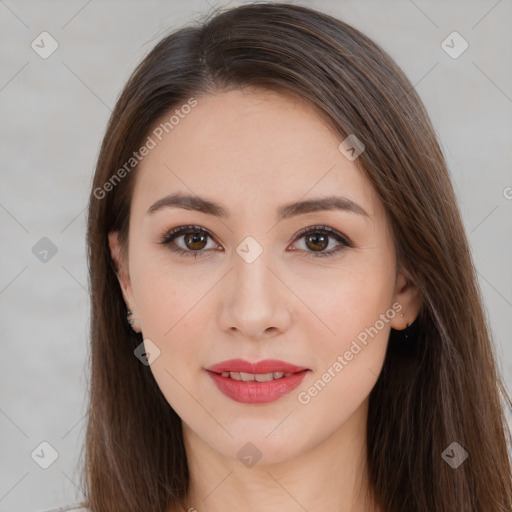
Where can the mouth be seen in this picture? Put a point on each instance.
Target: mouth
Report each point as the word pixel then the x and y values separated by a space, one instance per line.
pixel 256 383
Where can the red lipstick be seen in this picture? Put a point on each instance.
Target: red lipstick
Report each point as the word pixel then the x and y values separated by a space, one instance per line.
pixel 256 383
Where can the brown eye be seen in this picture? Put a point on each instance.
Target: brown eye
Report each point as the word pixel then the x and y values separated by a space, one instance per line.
pixel 317 241
pixel 195 241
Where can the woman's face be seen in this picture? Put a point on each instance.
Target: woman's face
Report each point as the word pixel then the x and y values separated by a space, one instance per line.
pixel 245 283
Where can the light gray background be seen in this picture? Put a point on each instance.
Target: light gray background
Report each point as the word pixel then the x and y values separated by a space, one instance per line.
pixel 53 116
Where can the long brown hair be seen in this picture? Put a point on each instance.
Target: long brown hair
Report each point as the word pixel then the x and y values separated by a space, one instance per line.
pixel 440 387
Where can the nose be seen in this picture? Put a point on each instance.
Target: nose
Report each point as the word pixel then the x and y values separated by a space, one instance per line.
pixel 255 301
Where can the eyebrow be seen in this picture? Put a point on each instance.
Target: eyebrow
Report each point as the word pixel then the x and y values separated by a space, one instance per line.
pixel 199 204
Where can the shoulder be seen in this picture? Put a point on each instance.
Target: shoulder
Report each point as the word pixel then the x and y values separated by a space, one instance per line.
pixel 77 507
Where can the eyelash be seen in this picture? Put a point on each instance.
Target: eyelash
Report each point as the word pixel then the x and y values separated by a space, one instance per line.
pixel 181 230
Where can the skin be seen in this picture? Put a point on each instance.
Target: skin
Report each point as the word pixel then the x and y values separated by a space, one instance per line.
pixel 252 151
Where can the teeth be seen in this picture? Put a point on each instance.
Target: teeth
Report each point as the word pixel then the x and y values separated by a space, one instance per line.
pixel 258 377
pixel 263 377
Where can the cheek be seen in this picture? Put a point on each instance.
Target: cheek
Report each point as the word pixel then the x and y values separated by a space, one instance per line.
pixel 345 303
pixel 165 295
pixel 349 358
pixel 355 309
pixel 169 306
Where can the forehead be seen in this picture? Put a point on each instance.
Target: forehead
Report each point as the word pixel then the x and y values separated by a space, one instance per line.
pixel 248 145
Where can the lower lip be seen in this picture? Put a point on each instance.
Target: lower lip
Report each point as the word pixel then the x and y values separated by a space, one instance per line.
pixel 253 392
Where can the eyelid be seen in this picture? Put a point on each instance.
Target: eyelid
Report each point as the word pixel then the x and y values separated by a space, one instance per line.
pixel 178 230
pixel 333 232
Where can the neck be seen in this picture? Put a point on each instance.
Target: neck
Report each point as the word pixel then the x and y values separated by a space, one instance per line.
pixel 329 476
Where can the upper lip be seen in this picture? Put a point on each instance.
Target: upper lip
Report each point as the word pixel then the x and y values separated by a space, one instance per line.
pixel 264 366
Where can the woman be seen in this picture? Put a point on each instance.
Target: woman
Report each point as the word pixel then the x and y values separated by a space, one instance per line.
pixel 285 314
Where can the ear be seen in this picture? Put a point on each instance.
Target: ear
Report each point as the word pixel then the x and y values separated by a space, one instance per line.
pixel 121 269
pixel 409 297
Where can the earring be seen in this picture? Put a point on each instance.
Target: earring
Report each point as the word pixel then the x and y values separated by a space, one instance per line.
pixel 405 331
pixel 129 313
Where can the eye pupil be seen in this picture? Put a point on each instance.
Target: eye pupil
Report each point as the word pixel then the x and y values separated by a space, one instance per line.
pixel 194 238
pixel 324 242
